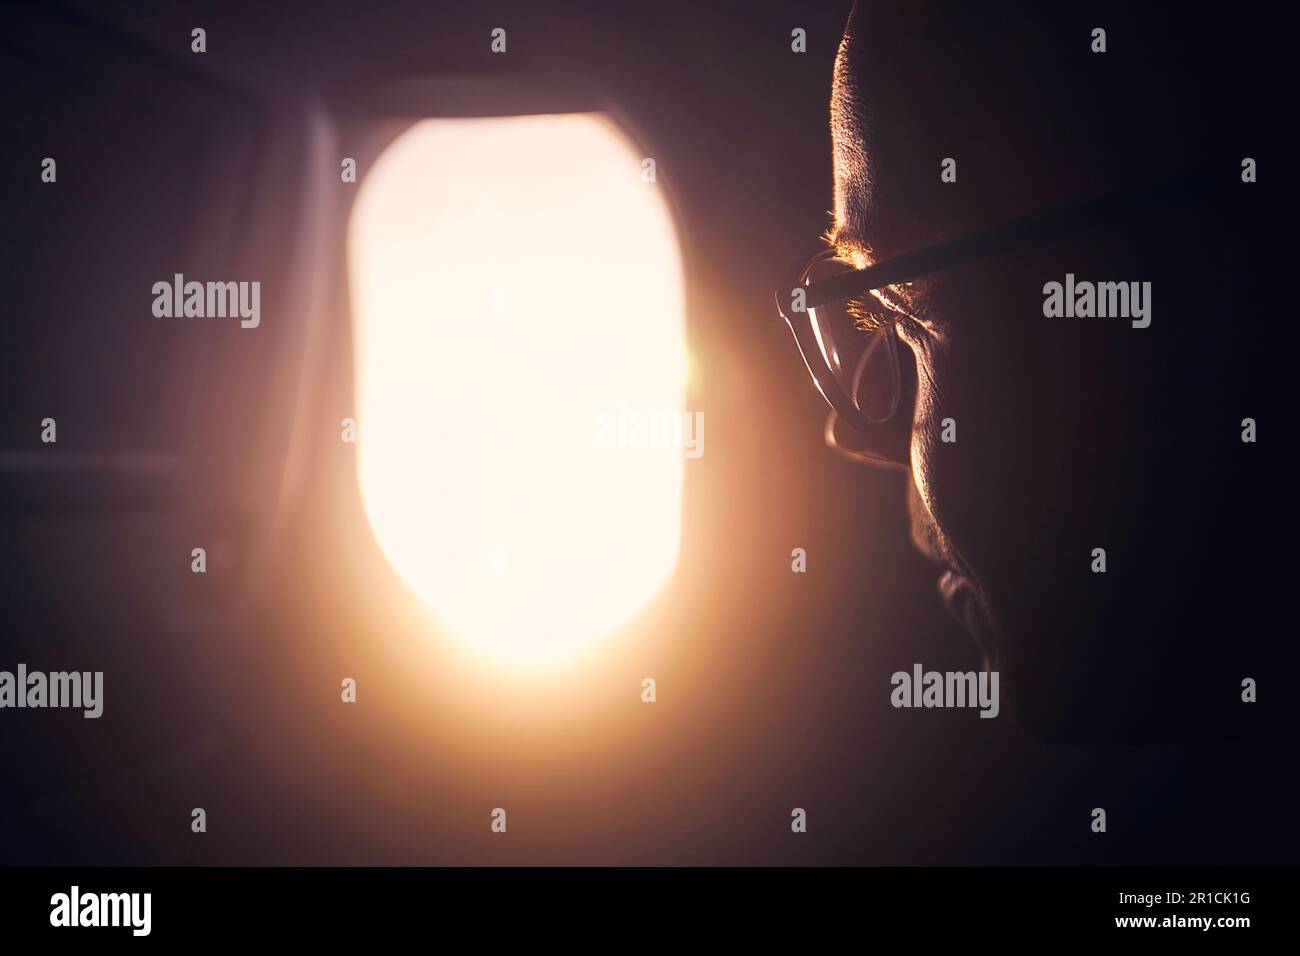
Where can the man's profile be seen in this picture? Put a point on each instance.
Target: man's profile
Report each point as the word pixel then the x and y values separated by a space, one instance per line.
pixel 1080 367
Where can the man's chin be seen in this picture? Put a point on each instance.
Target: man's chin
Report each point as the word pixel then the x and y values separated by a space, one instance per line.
pixel 1050 715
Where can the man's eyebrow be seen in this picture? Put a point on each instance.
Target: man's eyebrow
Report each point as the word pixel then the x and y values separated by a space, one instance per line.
pixel 849 245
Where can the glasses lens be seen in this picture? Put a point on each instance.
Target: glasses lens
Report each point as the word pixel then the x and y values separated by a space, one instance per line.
pixel 858 347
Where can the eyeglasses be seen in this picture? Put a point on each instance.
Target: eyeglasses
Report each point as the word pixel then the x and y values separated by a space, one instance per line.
pixel 849 342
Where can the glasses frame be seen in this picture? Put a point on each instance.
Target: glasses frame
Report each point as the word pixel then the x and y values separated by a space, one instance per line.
pixel 812 348
pixel 1174 192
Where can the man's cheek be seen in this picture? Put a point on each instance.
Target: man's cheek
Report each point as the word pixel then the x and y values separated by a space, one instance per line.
pixel 955 484
pixel 936 437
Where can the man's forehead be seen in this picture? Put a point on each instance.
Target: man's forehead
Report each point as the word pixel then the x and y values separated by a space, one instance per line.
pixel 852 165
pixel 882 86
pixel 1015 97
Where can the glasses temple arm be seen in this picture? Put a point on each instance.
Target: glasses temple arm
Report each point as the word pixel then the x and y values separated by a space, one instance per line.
pixel 957 252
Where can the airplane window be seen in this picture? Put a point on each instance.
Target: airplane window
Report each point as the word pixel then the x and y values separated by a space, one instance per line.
pixel 521 372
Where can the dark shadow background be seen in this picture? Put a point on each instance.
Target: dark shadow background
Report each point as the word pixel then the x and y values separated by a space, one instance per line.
pixel 222 690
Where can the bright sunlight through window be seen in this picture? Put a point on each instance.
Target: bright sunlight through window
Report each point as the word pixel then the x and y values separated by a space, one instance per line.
pixel 518 318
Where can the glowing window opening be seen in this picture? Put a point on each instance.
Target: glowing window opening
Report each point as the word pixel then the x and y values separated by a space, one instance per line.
pixel 517 299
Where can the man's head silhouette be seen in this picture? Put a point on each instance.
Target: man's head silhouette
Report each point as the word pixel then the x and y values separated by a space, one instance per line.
pixel 1077 405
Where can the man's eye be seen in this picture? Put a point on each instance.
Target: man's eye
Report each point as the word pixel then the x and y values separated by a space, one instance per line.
pixel 870 314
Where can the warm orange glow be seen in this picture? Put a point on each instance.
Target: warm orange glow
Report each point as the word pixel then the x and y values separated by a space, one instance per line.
pixel 514 280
